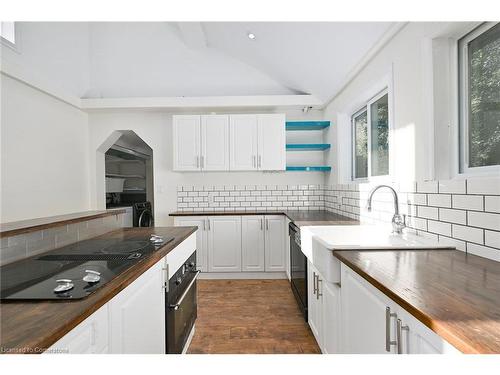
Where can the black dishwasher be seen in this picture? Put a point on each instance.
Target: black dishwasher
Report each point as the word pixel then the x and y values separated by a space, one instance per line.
pixel 298 269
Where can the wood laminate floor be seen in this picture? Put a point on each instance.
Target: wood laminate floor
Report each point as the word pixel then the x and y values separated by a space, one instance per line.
pixel 250 316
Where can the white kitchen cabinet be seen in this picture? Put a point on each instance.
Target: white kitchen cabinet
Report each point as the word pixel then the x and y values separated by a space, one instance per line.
pixel 201 143
pixel 314 302
pixel 274 243
pixel 243 144
pixel 186 143
pixel 89 337
pixel 137 315
pixel 201 238
pixel 330 340
pixel 287 250
pixel 271 142
pixel 224 243
pixel 214 143
pixel 252 243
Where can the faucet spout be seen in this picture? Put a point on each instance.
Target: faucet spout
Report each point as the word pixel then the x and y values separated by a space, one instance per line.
pixel 398 221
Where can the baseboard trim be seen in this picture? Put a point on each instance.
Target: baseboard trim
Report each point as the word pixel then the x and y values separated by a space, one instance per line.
pixel 242 275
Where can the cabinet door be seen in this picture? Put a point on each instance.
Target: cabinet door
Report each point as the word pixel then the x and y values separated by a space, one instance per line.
pixel 364 317
pixel 314 301
pixel 271 142
pixel 186 143
pixel 287 250
pixel 330 335
pixel 135 328
pixel 201 238
pixel 215 143
pixel 252 243
pixel 275 243
pixel 243 142
pixel 224 244
pixel 89 337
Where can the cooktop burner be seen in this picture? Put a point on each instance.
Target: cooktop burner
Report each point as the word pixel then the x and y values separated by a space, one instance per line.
pixel 74 271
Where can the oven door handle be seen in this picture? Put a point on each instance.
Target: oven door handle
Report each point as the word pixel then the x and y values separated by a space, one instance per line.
pixel 179 302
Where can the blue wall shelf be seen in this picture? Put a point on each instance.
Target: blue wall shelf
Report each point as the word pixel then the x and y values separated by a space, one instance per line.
pixel 310 169
pixel 307 125
pixel 307 146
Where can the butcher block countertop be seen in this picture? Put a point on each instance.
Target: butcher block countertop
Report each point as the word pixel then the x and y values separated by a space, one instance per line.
pixel 300 218
pixel 32 225
pixel 457 295
pixel 39 324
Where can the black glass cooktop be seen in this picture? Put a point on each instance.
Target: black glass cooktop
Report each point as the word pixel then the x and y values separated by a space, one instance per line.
pixel 59 274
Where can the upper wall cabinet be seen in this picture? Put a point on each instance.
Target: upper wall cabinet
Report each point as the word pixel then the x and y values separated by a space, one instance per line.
pixel 257 142
pixel 229 142
pixel 201 143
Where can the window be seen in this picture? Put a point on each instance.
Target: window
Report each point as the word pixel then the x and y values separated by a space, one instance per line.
pixel 370 130
pixel 479 64
pixel 8 32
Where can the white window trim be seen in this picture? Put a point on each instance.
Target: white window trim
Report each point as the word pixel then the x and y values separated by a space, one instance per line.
pixel 16 47
pixel 463 170
pixel 366 107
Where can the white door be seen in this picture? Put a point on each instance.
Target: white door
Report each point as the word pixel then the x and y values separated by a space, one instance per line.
pixel 214 143
pixel 271 142
pixel 89 337
pixel 137 315
pixel 186 143
pixel 243 142
pixel 314 301
pixel 252 243
pixel 331 318
pixel 201 238
pixel 224 243
pixel 275 243
pixel 287 250
pixel 364 317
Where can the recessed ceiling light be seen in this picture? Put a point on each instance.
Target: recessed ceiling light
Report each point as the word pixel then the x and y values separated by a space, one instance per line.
pixel 251 36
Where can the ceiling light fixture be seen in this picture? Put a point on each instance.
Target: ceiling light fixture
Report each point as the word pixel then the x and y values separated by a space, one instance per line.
pixel 251 36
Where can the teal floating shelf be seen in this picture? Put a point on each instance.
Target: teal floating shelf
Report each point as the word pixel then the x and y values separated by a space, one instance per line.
pixel 307 125
pixel 310 169
pixel 307 146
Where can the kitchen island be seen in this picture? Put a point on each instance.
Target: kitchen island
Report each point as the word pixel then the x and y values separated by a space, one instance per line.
pixel 34 326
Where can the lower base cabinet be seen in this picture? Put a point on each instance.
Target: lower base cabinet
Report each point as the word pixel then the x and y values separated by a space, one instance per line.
pixel 373 323
pixel 323 311
pixel 137 315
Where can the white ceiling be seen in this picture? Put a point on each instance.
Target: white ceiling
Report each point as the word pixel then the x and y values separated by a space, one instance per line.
pixel 155 59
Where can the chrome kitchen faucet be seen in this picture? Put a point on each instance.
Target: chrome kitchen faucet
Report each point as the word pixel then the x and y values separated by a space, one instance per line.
pixel 398 221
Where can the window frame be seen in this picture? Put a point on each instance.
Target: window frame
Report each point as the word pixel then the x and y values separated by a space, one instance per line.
pixel 359 111
pixel 7 43
pixel 463 105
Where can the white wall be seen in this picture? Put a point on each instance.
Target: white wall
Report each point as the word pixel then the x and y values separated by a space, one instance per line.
pixel 44 154
pixel 155 128
pixel 55 53
pixel 404 63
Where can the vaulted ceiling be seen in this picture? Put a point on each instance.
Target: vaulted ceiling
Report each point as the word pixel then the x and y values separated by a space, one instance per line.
pixel 138 59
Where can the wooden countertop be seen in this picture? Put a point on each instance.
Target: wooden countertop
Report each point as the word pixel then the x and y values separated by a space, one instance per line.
pixel 457 295
pixel 299 217
pixel 39 324
pixel 26 226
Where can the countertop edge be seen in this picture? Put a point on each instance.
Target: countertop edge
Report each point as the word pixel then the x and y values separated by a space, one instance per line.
pixel 420 315
pixel 109 291
pixel 58 220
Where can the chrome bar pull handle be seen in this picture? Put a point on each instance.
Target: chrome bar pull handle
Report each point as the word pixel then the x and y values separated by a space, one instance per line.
pixel 388 341
pixel 399 333
pixel 261 225
pixel 176 305
pixel 315 289
pixel 318 294
pixel 267 224
pixel 260 162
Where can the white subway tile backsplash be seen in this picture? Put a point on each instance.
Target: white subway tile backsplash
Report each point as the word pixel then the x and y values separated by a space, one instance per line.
pixel 452 186
pixel 492 203
pixel 484 220
pixel 427 212
pixel 439 227
pixel 459 245
pixel 492 238
pixel 465 233
pixel 467 202
pixel 483 251
pixel 427 187
pixel 439 200
pixel 453 216
pixel 482 185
